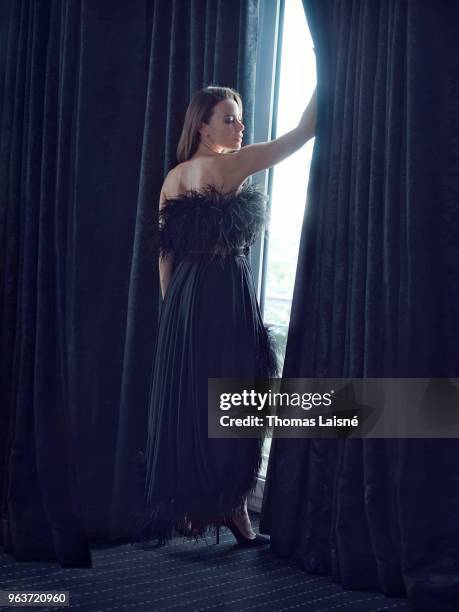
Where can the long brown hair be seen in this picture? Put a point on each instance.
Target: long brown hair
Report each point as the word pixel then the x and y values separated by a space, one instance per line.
pixel 199 110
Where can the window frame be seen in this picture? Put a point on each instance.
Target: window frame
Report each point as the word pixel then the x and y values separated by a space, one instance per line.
pixel 269 48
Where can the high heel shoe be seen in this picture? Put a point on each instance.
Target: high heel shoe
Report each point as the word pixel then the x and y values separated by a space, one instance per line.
pixel 242 540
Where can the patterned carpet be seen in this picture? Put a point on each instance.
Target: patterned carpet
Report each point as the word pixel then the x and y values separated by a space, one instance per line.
pixel 189 576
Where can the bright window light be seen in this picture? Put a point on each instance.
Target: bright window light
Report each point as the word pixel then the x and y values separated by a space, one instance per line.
pixel 290 178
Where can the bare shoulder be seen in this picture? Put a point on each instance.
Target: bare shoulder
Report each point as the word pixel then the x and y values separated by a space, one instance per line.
pixel 171 185
pixel 230 170
pixel 234 166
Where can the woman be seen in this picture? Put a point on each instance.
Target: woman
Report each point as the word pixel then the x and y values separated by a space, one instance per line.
pixel 210 324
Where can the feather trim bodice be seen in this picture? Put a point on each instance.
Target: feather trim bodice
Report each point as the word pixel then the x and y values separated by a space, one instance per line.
pixel 210 220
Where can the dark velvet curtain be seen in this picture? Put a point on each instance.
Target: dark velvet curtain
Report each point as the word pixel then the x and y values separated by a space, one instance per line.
pixel 93 100
pixel 376 295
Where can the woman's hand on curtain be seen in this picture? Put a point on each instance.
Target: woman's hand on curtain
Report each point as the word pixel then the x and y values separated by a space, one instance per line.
pixel 308 119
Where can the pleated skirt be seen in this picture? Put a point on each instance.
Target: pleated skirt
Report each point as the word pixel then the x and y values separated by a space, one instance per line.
pixel 210 326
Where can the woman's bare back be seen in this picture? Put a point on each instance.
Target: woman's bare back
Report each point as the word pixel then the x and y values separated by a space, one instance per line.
pixel 201 171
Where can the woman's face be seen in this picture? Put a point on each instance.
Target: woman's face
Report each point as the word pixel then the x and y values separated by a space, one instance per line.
pixel 225 128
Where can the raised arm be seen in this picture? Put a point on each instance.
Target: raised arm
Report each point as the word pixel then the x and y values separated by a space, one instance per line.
pixel 259 156
pixel 166 264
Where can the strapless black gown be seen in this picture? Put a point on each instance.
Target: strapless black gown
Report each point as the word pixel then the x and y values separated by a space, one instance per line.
pixel 210 325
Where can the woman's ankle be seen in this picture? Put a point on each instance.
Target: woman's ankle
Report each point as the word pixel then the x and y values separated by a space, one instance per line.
pixel 242 521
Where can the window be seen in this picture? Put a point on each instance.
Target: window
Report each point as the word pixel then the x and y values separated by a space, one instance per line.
pixel 286 78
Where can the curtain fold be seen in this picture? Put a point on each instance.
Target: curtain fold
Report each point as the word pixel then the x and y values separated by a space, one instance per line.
pixel 93 97
pixel 376 296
